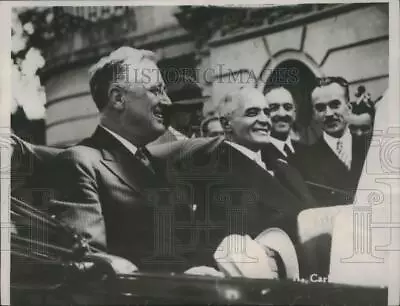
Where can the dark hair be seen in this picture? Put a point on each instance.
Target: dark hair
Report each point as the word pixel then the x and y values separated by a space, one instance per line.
pixel 325 81
pixel 185 88
pixel 270 88
pixel 366 105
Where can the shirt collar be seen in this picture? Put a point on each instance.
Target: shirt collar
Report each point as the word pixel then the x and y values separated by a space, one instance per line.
pixel 279 144
pixel 127 144
pixel 332 141
pixel 256 156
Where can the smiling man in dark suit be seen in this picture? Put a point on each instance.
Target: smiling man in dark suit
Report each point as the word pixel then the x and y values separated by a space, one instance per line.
pixel 333 165
pixel 224 186
pixel 219 187
pixel 283 115
pixel 100 184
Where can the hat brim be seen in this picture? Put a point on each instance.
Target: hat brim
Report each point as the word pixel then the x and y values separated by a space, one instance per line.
pixel 189 102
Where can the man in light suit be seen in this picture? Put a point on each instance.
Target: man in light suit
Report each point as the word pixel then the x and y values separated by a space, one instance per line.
pixel 332 166
pixel 101 183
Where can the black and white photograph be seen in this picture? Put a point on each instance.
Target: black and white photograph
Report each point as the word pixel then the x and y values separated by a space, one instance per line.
pixel 241 154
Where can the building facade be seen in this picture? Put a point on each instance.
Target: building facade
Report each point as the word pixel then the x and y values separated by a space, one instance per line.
pixel 286 43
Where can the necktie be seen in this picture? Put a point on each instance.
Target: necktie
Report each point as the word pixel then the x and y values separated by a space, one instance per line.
pixel 287 150
pixel 342 154
pixel 142 156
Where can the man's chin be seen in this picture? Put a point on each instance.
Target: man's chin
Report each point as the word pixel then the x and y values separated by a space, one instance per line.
pixel 281 126
pixel 159 124
pixel 159 129
pixel 261 139
pixel 281 130
pixel 334 131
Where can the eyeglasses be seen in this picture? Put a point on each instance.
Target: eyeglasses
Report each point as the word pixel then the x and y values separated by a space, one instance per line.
pixel 321 107
pixel 158 90
pixel 274 107
pixel 255 111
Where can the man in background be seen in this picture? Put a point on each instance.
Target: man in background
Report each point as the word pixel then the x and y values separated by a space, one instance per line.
pixel 332 166
pixel 361 122
pixel 283 115
pixel 185 113
pixel 211 127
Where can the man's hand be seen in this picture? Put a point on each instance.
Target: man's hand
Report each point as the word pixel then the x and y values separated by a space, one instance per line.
pixel 98 264
pixel 204 270
pixel 241 256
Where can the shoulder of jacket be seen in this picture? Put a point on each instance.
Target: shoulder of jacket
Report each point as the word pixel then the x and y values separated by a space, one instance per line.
pixel 80 153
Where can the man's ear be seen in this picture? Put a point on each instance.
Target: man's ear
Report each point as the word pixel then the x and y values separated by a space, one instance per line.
pixel 116 98
pixel 350 106
pixel 226 124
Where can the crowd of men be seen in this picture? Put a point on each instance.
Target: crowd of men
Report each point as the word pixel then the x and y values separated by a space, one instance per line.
pixel 146 188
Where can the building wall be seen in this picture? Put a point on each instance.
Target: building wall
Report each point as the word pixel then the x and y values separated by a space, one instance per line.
pixel 70 108
pixel 352 43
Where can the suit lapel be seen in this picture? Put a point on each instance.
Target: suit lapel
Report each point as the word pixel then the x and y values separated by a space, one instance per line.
pixel 127 169
pixel 359 151
pixel 271 154
pixel 120 161
pixel 248 173
pixel 292 179
pixel 330 158
pixel 329 169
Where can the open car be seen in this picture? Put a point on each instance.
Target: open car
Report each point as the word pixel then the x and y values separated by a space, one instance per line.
pixel 44 273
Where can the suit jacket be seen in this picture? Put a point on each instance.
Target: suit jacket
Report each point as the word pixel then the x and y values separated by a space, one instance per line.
pixel 103 192
pixel 271 153
pixel 291 179
pixel 286 172
pixel 329 180
pixel 210 191
pixel 29 168
pixel 218 191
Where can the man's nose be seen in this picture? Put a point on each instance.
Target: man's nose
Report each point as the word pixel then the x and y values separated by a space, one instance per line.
pixel 282 112
pixel 263 118
pixel 165 100
pixel 329 111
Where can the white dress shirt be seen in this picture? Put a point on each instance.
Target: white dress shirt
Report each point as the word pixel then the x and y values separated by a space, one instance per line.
pixel 279 144
pixel 127 144
pixel 255 156
pixel 346 141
